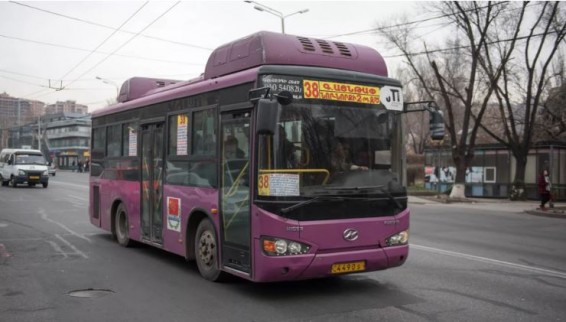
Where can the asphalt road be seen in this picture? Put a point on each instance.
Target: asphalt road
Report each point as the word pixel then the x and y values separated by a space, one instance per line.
pixel 483 262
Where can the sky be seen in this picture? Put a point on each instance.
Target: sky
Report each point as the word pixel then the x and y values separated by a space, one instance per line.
pixel 54 51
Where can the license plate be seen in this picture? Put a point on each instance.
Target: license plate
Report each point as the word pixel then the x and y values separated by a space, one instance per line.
pixel 348 267
pixel 34 177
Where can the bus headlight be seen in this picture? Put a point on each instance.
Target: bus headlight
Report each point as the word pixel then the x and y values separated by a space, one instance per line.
pixel 401 238
pixel 281 247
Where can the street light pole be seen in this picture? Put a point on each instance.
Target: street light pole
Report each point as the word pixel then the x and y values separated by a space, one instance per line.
pixel 109 82
pixel 261 7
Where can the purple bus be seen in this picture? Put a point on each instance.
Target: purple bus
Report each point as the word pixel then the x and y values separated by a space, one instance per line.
pixel 283 161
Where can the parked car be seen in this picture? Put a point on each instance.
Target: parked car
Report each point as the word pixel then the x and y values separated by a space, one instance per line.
pixel 52 169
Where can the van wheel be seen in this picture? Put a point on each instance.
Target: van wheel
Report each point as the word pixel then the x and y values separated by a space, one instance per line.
pixel 206 252
pixel 45 184
pixel 4 183
pixel 121 226
pixel 13 182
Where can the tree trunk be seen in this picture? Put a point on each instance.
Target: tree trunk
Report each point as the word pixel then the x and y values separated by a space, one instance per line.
pixel 459 187
pixel 518 186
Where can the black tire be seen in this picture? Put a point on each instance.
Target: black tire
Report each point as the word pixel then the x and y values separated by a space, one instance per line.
pixel 45 184
pixel 13 182
pixel 4 183
pixel 121 226
pixel 206 252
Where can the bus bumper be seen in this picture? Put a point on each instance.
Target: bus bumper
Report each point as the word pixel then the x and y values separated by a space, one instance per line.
pixel 310 266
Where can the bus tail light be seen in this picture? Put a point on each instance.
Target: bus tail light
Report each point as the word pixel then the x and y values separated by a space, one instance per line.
pixel 398 239
pixel 281 247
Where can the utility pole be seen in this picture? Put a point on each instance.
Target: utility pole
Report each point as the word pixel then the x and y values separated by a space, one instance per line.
pixel 39 132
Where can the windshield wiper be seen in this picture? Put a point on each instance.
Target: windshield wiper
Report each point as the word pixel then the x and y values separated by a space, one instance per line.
pixel 309 201
pixel 362 188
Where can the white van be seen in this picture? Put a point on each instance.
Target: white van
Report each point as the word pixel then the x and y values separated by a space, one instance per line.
pixel 23 166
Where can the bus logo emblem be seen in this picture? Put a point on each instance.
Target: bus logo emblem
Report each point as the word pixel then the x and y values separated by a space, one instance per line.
pixel 350 234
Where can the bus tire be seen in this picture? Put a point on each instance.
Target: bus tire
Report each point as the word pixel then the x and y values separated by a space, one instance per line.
pixel 206 252
pixel 121 226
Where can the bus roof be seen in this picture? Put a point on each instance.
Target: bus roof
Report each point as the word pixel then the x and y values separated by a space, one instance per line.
pixel 261 48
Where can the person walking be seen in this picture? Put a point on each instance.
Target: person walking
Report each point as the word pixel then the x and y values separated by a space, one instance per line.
pixel 543 184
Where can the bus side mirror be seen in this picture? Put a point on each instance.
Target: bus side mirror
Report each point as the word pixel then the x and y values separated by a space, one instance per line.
pixel 267 116
pixel 436 125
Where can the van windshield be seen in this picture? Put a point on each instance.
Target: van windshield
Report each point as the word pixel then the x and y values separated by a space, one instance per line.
pixel 30 159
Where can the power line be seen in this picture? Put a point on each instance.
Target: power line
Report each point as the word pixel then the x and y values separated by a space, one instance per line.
pixel 468 46
pixel 98 52
pixel 125 43
pixel 105 40
pixel 109 27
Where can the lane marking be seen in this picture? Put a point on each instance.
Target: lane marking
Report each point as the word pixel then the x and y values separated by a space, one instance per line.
pixel 57 248
pixel 72 232
pixel 491 261
pixel 77 251
pixel 70 184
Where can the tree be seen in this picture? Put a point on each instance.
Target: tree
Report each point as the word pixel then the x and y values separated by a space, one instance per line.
pixel 459 84
pixel 526 79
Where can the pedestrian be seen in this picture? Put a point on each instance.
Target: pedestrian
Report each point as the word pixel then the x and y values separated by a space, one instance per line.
pixel 543 184
pixel 80 166
pixel 73 166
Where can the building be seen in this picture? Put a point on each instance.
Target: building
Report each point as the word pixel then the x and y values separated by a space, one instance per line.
pixel 68 138
pixel 13 113
pixel 66 107
pixel 492 170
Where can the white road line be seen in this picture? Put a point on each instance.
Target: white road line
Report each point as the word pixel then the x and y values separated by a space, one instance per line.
pixel 491 261
pixel 77 251
pixel 78 198
pixel 69 184
pixel 44 217
pixel 57 248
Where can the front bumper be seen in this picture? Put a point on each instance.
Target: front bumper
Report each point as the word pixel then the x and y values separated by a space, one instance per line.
pixel 309 266
pixel 32 179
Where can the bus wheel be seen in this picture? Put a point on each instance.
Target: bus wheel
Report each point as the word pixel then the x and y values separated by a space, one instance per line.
pixel 121 226
pixel 206 252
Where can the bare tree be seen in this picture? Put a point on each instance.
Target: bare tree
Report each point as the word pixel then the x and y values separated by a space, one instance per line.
pixel 526 80
pixel 459 85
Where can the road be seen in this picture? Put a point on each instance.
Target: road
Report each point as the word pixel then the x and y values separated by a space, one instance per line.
pixel 483 262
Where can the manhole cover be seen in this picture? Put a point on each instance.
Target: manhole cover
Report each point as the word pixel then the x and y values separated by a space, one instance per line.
pixel 90 293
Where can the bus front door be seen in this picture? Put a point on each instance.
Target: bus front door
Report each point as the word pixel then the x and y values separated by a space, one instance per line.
pixel 235 190
pixel 151 182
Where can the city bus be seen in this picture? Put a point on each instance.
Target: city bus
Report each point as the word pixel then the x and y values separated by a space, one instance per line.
pixel 283 161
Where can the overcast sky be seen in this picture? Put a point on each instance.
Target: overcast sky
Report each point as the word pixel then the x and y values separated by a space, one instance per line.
pixel 45 44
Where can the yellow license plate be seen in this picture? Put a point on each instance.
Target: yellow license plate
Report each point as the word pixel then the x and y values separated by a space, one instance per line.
pixel 34 177
pixel 348 267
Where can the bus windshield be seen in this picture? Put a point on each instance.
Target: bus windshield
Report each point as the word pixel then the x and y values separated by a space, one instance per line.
pixel 330 148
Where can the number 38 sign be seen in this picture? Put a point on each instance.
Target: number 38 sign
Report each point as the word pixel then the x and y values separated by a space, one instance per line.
pixel 263 185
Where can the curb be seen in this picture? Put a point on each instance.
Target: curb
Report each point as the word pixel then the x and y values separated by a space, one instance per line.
pixel 548 213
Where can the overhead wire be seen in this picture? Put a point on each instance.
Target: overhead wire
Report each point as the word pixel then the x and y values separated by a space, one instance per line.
pixel 108 27
pixel 125 43
pixel 98 52
pixel 105 40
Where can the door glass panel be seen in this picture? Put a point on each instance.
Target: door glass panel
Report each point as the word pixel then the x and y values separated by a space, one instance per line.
pixel 146 168
pixel 157 183
pixel 235 190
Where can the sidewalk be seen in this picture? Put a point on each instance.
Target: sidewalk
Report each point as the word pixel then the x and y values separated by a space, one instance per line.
pixel 530 207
